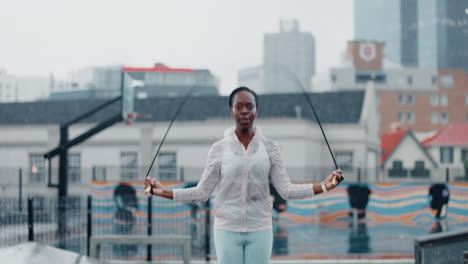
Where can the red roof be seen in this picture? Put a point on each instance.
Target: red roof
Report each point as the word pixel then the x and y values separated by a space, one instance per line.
pixel 156 68
pixel 389 141
pixel 454 134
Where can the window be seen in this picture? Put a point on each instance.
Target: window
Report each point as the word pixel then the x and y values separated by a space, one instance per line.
pixel 397 169
pixel 434 80
pixel 446 81
pixel 401 117
pixel 419 164
pixel 333 78
pixel 397 164
pixel 167 166
pixel 466 99
pixel 464 155
pixel 409 80
pixel 345 160
pixel 444 118
pixel 99 173
pixel 419 170
pixel 410 117
pixel 434 100
pixel 37 165
pixel 410 99
pixel 443 100
pixel 74 167
pixel 401 99
pixel 446 154
pixel 365 77
pixel 128 166
pixel 435 118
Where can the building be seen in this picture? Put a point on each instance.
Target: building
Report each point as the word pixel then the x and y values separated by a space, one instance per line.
pixel 32 88
pixel 289 52
pixel 124 152
pixel 253 78
pixel 24 88
pixel 417 33
pixel 159 80
pixel 443 34
pixel 288 62
pixel 449 147
pixel 420 99
pixel 430 110
pixel 441 156
pixel 392 22
pixel 405 159
pixel 8 87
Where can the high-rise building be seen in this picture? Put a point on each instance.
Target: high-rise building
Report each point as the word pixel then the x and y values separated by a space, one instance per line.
pixel 424 33
pixel 289 57
pixel 443 34
pixel 392 22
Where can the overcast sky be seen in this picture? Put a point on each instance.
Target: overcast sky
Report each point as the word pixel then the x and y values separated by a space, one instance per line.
pixel 59 36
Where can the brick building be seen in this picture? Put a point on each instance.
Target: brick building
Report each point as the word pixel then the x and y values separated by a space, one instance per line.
pixel 419 99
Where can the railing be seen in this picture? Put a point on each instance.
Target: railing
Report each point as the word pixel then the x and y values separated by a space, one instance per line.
pixel 37 220
pixel 366 219
pixel 16 177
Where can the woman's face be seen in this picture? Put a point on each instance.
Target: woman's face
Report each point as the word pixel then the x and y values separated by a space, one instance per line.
pixel 244 110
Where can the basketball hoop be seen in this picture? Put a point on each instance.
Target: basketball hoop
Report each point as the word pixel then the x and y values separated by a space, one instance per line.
pixel 130 118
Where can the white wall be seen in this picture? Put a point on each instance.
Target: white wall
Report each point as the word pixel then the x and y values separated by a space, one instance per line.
pixel 302 146
pixel 396 79
pixel 408 152
pixel 457 163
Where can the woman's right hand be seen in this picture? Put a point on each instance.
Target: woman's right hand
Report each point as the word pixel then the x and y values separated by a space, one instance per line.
pixel 152 186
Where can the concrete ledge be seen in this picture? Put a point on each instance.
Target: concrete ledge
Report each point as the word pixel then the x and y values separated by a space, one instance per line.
pixel 447 247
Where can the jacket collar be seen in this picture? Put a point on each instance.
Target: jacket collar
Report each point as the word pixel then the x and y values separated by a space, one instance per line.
pixel 230 133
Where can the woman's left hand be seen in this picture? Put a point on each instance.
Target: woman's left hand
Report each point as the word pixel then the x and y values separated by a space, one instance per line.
pixel 333 179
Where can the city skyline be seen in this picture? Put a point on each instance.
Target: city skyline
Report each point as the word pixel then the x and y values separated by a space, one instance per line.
pixel 59 38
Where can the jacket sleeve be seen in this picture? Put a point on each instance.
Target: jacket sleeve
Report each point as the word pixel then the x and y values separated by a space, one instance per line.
pixel 280 178
pixel 208 181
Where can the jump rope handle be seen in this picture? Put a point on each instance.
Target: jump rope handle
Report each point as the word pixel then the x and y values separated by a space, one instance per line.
pixel 334 181
pixel 148 191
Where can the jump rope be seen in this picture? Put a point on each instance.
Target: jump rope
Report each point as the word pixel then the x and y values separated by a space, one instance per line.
pixel 293 77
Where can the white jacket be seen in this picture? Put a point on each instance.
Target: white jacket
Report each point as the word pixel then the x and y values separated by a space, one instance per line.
pixel 243 202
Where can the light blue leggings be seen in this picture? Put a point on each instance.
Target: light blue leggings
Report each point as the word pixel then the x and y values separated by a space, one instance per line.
pixel 243 247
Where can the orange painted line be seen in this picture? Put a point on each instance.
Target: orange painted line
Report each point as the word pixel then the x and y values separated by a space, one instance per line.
pixel 348 256
pixel 178 215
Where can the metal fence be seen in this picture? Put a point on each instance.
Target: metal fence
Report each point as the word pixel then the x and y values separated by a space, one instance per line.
pixel 15 177
pixel 28 212
pixel 38 219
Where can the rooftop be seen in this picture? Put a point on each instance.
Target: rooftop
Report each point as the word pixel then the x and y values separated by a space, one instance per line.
pixel 332 107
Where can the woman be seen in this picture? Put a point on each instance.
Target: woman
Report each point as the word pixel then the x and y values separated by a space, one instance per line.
pixel 242 164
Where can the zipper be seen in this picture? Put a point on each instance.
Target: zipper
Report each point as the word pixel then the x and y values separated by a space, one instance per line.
pixel 244 193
